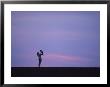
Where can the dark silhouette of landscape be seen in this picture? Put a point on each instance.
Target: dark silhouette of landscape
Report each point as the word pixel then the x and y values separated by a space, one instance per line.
pixel 55 72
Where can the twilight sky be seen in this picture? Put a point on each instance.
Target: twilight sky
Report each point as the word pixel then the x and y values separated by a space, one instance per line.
pixel 68 38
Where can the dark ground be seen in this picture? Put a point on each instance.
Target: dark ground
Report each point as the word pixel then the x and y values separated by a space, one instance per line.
pixel 55 72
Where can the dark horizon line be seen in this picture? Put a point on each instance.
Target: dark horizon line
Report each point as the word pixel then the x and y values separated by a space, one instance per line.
pixel 56 67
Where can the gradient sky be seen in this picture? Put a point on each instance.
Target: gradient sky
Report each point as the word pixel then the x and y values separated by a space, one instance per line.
pixel 68 38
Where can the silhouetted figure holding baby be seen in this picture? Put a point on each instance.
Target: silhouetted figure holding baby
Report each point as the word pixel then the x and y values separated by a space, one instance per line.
pixel 39 57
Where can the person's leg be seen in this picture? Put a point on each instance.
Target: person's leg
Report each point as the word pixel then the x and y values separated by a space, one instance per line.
pixel 40 62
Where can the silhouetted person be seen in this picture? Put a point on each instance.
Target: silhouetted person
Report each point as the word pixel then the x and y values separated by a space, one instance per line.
pixel 39 57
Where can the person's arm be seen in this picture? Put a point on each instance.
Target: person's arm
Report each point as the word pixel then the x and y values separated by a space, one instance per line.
pixel 41 52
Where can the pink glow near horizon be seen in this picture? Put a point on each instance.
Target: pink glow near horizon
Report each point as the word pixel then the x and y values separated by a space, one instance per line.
pixel 62 57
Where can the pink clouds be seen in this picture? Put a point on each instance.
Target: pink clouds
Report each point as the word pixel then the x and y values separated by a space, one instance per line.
pixel 60 60
pixel 62 57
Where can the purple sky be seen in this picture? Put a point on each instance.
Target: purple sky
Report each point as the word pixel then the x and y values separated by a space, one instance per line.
pixel 68 39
